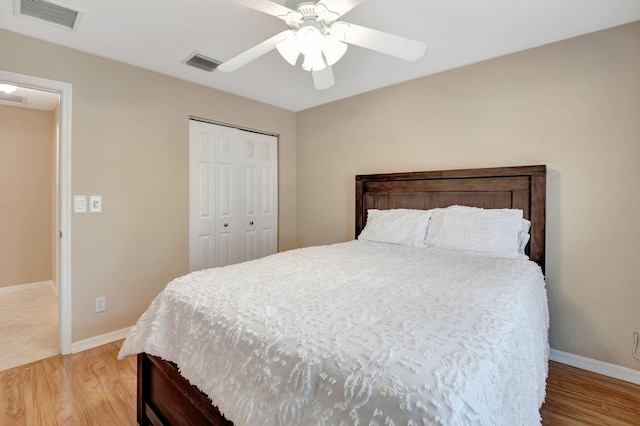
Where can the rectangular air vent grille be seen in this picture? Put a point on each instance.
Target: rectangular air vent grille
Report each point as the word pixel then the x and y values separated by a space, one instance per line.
pixel 202 62
pixel 50 12
pixel 4 97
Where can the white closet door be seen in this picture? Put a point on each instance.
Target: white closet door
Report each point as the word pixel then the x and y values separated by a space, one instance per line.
pixel 239 187
pixel 228 192
pixel 258 206
pixel 202 207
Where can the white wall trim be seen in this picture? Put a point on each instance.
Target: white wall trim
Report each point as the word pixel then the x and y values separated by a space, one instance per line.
pixel 102 339
pixel 64 198
pixel 20 287
pixel 593 365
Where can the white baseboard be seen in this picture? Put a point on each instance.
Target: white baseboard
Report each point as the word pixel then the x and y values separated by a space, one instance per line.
pixel 19 287
pixel 593 365
pixel 100 340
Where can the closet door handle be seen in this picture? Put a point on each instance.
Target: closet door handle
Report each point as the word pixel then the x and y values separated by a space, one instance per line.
pixel 225 225
pixel 251 223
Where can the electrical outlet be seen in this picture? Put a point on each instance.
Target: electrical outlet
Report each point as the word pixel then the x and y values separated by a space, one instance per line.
pixel 101 304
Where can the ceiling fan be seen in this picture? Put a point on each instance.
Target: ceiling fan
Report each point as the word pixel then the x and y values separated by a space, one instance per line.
pixel 316 34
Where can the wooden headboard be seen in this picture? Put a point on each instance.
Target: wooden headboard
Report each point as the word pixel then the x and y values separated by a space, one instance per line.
pixel 501 187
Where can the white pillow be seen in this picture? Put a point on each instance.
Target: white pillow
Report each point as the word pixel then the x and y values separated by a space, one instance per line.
pixel 396 226
pixel 524 236
pixel 492 232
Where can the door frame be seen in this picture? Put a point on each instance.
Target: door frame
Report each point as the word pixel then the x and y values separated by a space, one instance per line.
pixel 64 194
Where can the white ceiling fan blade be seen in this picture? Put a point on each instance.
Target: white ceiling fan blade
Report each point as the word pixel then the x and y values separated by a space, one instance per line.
pixel 340 6
pixel 379 41
pixel 323 79
pixel 268 7
pixel 253 53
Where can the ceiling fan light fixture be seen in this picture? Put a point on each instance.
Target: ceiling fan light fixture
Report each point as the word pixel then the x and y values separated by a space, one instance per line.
pixel 315 32
pixel 311 41
pixel 313 61
pixel 289 49
pixel 333 49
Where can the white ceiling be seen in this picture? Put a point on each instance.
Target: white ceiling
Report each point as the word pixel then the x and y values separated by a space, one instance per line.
pixel 160 34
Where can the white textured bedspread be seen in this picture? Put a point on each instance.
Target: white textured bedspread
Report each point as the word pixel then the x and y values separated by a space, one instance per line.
pixel 359 333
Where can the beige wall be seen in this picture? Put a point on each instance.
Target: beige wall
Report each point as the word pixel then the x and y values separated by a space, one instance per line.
pixel 26 152
pixel 130 145
pixel 573 105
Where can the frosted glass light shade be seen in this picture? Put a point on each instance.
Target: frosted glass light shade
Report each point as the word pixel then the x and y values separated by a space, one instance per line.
pixel 289 48
pixel 333 49
pixel 313 61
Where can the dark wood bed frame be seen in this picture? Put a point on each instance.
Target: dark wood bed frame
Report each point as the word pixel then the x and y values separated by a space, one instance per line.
pixel 166 398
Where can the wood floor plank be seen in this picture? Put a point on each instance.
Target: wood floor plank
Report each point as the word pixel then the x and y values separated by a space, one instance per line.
pixel 39 385
pixel 103 389
pixel 60 390
pixel 94 388
pixel 12 401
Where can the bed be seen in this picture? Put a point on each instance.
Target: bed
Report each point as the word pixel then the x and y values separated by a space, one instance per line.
pixel 394 379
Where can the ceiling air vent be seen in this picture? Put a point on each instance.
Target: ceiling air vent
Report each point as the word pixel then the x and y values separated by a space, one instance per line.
pixel 14 99
pixel 202 62
pixel 54 13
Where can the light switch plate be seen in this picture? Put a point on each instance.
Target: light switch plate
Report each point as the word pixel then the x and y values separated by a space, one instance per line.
pixel 95 203
pixel 79 203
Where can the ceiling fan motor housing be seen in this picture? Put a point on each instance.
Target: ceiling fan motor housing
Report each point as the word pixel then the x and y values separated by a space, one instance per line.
pixel 299 5
pixel 306 9
pixel 309 14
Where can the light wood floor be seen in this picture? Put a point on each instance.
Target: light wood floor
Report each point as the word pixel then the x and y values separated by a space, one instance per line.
pixel 87 388
pixel 579 397
pixel 94 388
pixel 28 325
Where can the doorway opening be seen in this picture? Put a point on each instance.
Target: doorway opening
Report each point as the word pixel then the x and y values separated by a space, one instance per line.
pixel 61 224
